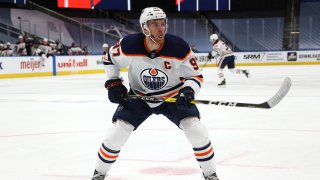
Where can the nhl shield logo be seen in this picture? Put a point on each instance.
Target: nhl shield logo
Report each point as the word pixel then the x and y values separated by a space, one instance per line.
pixel 153 78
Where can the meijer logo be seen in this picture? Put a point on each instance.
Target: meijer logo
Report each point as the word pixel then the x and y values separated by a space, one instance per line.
pixel 30 64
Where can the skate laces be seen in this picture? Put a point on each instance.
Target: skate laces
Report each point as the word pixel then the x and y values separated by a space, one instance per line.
pixel 98 176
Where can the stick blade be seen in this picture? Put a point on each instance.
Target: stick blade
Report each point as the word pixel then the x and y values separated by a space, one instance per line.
pixel 282 92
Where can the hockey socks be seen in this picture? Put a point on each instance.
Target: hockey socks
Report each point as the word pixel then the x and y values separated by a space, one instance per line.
pixel 106 159
pixel 205 158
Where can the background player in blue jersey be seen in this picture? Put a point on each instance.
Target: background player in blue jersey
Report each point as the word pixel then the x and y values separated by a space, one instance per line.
pixel 160 65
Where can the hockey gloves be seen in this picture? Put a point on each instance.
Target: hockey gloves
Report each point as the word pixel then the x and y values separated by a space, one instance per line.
pixel 116 90
pixel 209 55
pixel 185 96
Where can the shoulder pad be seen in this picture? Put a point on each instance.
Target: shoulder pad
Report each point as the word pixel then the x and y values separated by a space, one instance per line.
pixel 133 44
pixel 175 47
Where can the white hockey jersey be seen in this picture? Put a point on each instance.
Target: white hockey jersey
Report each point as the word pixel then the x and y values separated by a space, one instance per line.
pixel 160 73
pixel 45 49
pixel 221 49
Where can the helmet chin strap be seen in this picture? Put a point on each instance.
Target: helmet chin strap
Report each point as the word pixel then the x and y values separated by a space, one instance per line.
pixel 152 39
pixel 149 35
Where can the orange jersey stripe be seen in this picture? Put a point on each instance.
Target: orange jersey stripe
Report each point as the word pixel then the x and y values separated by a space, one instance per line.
pixel 199 78
pixel 171 94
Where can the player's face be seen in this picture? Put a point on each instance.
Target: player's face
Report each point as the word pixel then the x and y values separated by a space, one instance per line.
pixel 157 29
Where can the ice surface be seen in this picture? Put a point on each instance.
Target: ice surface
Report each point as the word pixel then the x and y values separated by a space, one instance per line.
pixel 51 129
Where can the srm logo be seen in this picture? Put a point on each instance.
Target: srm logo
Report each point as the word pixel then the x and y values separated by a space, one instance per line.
pixel 153 78
pixel 253 56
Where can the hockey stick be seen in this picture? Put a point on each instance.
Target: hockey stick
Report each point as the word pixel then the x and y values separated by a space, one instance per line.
pixel 205 64
pixel 284 89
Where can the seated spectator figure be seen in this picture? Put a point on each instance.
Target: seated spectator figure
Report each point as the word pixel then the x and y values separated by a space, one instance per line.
pixel 7 51
pixel 29 41
pixel 59 48
pixel 85 50
pixel 21 47
pixel 1 48
pixel 75 50
pixel 53 46
pixel 45 47
pixel 34 44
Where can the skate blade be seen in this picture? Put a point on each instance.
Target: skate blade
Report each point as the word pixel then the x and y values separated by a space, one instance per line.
pixel 248 75
pixel 221 86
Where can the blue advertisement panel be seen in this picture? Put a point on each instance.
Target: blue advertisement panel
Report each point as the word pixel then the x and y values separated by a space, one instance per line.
pixel 114 5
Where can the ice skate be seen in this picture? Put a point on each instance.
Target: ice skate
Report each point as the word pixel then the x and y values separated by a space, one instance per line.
pixel 211 177
pixel 246 72
pixel 222 83
pixel 98 176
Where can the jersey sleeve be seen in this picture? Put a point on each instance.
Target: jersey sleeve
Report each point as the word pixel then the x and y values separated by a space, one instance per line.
pixel 115 60
pixel 222 49
pixel 191 73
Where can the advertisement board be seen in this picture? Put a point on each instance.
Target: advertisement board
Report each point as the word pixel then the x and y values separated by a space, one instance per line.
pixel 12 67
pixel 25 66
pixel 258 57
pixel 308 56
pixel 78 64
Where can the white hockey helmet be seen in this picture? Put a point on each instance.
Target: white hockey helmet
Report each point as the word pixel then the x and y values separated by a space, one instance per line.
pixel 105 45
pixel 151 13
pixel 213 37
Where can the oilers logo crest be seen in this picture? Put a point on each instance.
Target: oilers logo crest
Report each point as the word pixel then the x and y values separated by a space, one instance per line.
pixel 153 78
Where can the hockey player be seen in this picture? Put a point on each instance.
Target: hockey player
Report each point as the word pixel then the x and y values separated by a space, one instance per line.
pixel 223 53
pixel 44 51
pixel 105 47
pixel 160 65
